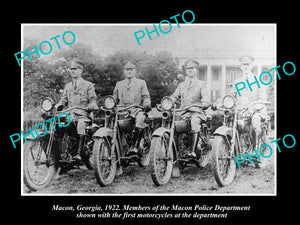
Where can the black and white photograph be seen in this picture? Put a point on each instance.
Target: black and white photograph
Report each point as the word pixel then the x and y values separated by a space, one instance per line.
pixel 145 113
pixel 187 109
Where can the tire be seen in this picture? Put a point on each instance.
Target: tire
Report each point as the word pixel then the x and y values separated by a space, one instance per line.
pixel 104 162
pixel 219 146
pixel 161 160
pixel 38 176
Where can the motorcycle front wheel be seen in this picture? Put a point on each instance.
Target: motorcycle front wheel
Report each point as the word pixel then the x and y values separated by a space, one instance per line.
pixel 161 160
pixel 145 148
pixel 224 166
pixel 38 169
pixel 104 161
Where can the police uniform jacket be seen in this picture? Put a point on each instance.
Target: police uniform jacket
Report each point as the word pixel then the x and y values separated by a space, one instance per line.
pixel 248 96
pixel 83 96
pixel 191 91
pixel 133 93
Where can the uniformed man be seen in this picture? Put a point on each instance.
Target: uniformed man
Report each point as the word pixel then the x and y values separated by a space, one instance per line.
pixel 133 91
pixel 192 91
pixel 81 93
pixel 256 111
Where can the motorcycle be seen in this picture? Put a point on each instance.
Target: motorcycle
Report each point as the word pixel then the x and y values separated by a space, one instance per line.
pixel 115 139
pixel 52 154
pixel 235 137
pixel 171 142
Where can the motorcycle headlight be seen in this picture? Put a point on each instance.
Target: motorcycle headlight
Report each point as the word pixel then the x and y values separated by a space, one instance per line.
pixel 109 102
pixel 228 101
pixel 47 104
pixel 167 103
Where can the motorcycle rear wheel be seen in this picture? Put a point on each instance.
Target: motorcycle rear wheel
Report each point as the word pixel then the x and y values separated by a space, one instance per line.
pixel 224 167
pixel 161 160
pixel 104 162
pixel 38 173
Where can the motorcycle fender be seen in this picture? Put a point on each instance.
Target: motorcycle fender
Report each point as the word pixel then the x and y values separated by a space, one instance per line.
pixel 160 131
pixel 224 131
pixel 103 132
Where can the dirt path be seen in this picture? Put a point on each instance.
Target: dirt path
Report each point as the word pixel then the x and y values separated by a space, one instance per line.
pixel 249 180
pixel 136 180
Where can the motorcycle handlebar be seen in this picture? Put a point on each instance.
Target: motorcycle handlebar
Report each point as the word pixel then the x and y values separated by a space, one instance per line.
pixel 159 108
pixel 69 109
pixel 242 108
pixel 132 106
pixel 123 109
pixel 188 107
pixel 253 103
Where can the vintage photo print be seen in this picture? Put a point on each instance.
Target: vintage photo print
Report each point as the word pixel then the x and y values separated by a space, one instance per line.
pixel 148 109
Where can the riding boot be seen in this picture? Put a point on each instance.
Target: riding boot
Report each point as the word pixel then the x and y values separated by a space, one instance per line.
pixel 137 136
pixel 119 170
pixel 80 146
pixel 194 142
pixel 175 171
pixel 257 143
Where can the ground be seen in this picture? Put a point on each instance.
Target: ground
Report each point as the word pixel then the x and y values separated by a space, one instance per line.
pixel 248 180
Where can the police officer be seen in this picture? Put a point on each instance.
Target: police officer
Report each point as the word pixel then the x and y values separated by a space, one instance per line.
pixel 192 91
pixel 256 111
pixel 133 91
pixel 81 93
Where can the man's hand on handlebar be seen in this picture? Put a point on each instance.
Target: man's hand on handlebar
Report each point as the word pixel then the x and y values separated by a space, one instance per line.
pixel 147 108
pixel 59 107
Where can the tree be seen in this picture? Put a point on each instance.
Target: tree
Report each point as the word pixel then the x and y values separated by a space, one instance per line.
pixel 160 73
pixel 46 78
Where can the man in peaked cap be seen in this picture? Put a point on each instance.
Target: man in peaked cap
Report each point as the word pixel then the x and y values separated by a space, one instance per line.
pixel 133 91
pixel 257 112
pixel 81 93
pixel 192 91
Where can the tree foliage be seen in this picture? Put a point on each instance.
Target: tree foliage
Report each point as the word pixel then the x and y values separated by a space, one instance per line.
pixel 47 77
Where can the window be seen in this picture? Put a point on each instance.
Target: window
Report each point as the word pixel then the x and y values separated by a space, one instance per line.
pixel 215 74
pixel 232 76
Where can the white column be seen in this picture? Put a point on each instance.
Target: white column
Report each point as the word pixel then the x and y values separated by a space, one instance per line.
pixel 223 81
pixel 209 80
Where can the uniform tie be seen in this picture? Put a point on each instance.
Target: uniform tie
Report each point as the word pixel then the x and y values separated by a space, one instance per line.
pixel 128 83
pixel 75 85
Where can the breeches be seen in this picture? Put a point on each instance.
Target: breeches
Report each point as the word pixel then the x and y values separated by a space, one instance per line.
pixel 195 123
pixel 256 119
pixel 140 120
pixel 82 123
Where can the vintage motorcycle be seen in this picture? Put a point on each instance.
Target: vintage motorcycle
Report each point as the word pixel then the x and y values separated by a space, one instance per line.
pixel 235 137
pixel 171 142
pixel 53 153
pixel 115 139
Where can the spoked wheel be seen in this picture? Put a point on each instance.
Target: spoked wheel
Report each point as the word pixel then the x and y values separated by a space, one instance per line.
pixel 162 160
pixel 104 161
pixel 224 166
pixel 145 149
pixel 38 170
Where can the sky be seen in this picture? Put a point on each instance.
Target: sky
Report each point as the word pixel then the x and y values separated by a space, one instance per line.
pixel 106 39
